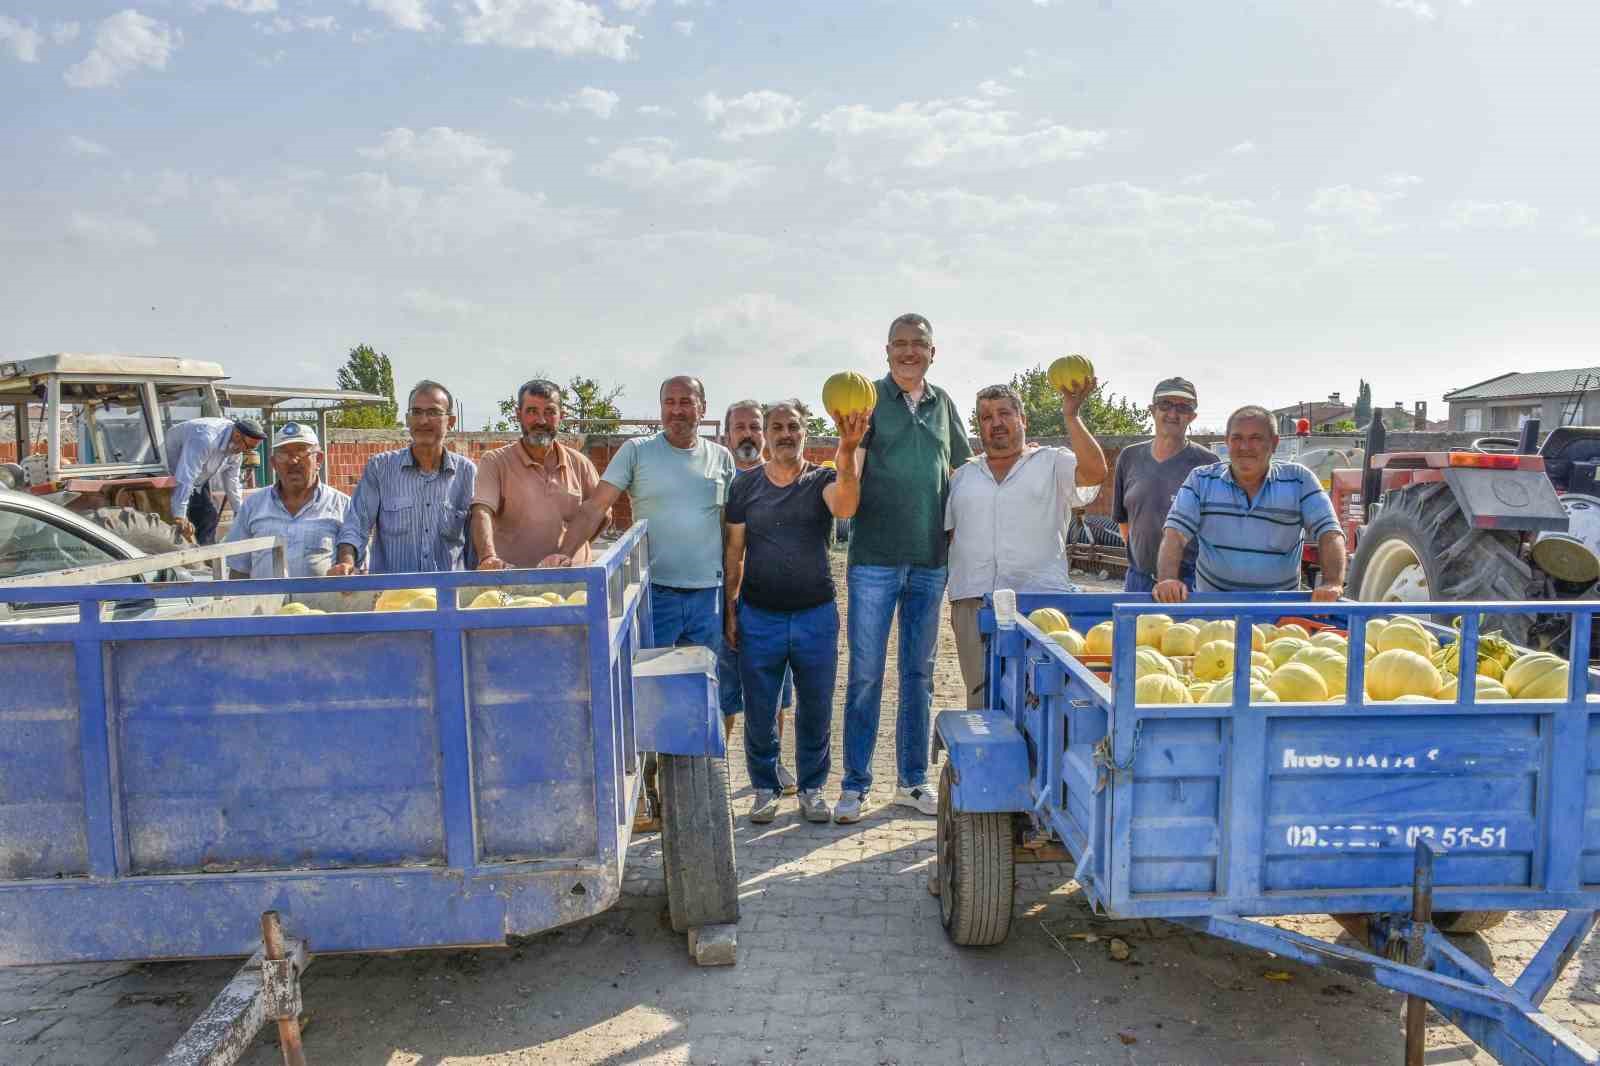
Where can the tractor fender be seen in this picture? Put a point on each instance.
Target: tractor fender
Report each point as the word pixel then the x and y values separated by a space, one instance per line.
pixel 988 761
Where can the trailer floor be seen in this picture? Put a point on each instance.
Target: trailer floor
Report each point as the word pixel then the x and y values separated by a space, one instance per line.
pixel 842 960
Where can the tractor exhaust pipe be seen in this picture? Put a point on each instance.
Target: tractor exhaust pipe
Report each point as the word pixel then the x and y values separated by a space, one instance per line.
pixel 1528 442
pixel 1371 476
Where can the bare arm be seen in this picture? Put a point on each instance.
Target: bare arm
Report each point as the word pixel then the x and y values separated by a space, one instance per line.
pixel 1169 561
pixel 585 525
pixel 843 496
pixel 733 540
pixel 1123 526
pixel 1331 557
pixel 1091 458
pixel 481 529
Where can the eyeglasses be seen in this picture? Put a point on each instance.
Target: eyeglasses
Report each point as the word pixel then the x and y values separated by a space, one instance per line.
pixel 434 413
pixel 918 343
pixel 1173 405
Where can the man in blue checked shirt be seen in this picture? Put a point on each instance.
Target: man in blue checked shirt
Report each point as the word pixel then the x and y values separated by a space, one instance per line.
pixel 199 452
pixel 413 502
pixel 1250 516
pixel 299 507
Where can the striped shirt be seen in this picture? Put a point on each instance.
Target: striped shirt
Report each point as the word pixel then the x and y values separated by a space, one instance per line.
pixel 420 518
pixel 197 454
pixel 308 534
pixel 1250 545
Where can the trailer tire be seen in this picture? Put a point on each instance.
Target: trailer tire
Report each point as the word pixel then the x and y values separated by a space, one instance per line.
pixel 1467 921
pixel 1459 562
pixel 697 841
pixel 977 871
pixel 145 530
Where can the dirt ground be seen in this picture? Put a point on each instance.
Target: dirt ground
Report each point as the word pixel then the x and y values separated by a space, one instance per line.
pixel 842 960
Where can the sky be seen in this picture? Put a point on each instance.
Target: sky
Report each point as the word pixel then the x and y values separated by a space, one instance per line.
pixel 1274 198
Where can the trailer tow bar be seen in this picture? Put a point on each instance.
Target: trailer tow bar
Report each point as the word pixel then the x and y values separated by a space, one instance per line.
pixel 267 988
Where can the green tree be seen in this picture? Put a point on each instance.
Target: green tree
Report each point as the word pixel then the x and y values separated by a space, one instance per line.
pixel 817 426
pixel 366 370
pixel 1105 413
pixel 1363 411
pixel 583 398
pixel 1344 425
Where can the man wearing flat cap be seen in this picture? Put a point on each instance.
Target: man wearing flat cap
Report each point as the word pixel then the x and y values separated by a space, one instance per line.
pixel 199 452
pixel 1148 478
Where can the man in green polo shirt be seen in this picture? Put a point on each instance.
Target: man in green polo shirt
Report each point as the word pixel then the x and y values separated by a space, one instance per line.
pixel 897 561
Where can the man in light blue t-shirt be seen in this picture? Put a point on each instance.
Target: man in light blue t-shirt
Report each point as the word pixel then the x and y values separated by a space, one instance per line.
pixel 678 482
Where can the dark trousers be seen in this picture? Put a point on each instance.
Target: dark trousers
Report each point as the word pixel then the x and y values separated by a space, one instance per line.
pixel 203 514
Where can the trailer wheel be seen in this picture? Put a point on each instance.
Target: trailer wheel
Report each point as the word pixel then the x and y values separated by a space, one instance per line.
pixel 697 841
pixel 977 872
pixel 145 530
pixel 1467 921
pixel 1420 547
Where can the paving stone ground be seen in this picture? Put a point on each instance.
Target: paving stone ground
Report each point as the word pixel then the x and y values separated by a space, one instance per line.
pixel 842 960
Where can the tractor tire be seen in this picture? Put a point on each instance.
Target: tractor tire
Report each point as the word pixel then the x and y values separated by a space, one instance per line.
pixel 1467 921
pixel 1459 562
pixel 697 842
pixel 977 872
pixel 145 530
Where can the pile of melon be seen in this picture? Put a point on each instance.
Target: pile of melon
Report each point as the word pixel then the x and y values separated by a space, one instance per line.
pixel 1192 662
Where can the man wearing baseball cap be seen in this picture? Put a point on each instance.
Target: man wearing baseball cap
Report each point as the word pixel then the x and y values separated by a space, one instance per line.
pixel 198 452
pixel 1148 478
pixel 299 508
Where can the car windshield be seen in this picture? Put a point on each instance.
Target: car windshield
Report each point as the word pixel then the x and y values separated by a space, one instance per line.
pixel 31 545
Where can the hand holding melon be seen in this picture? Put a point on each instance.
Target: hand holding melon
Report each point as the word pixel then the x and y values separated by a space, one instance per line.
pixel 1073 377
pixel 848 393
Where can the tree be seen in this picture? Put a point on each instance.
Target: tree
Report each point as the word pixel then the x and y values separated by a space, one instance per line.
pixel 366 370
pixel 1363 411
pixel 817 426
pixel 1106 414
pixel 1344 425
pixel 583 398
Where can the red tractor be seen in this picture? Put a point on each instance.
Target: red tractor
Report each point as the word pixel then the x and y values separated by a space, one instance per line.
pixel 1507 519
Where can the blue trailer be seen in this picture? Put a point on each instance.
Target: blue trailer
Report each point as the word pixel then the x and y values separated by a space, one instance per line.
pixel 438 776
pixel 1387 815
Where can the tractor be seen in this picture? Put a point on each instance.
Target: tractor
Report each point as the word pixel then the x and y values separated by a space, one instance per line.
pixel 1507 519
pixel 89 431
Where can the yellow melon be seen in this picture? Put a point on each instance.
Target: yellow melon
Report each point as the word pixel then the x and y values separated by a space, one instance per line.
pixel 1327 662
pixel 1401 635
pixel 1159 688
pixel 1283 649
pixel 402 600
pixel 1179 639
pixel 487 598
pixel 1219 629
pixel 1048 620
pixel 1198 690
pixel 1150 661
pixel 1537 676
pixel 1487 688
pixel 1298 683
pixel 1222 692
pixel 1071 641
pixel 1151 628
pixel 579 598
pixel 527 601
pixel 1098 640
pixel 848 393
pixel 1213 660
pixel 1267 632
pixel 1294 629
pixel 1327 638
pixel 1069 372
pixel 299 608
pixel 1401 672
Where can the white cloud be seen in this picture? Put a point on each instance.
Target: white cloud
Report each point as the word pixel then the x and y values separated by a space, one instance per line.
pixel 1121 206
pixel 441 152
pixel 641 6
pixel 21 41
pixel 731 331
pixel 1483 214
pixel 683 27
pixel 994 90
pixel 405 14
pixel 123 43
pixel 1586 226
pixel 246 7
pixel 64 32
pixel 754 114
pixel 1361 206
pixel 289 24
pixel 1420 8
pixel 1243 148
pixel 964 134
pixel 961 209
pixel 649 164
pixel 109 231
pixel 437 304
pixel 964 23
pixel 84 146
pixel 657 109
pixel 566 27
pixel 601 103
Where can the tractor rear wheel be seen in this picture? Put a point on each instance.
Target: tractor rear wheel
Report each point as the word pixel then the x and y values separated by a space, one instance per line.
pixel 1420 548
pixel 145 530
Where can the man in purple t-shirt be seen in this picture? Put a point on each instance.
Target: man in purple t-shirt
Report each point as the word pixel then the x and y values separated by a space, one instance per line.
pixel 1148 478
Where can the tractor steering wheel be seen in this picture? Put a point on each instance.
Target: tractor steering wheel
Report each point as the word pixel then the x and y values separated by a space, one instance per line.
pixel 1496 445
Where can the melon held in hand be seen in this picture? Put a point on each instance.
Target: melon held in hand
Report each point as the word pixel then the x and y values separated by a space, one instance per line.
pixel 1070 372
pixel 848 393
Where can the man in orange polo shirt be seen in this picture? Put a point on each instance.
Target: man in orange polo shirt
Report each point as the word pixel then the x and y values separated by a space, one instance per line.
pixel 527 492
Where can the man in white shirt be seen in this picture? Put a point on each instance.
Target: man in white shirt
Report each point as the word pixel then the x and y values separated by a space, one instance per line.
pixel 1007 514
pixel 299 507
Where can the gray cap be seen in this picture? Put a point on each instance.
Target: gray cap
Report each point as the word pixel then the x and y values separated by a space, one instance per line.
pixel 1177 389
pixel 250 428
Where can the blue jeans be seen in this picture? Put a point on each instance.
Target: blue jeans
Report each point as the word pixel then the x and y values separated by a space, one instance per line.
pixel 731 690
pixel 1139 581
pixel 686 616
pixel 875 593
pixel 771 644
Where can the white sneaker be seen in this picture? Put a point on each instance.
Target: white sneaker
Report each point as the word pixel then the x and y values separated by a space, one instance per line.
pixel 766 808
pixel 786 782
pixel 848 809
pixel 922 798
pixel 814 806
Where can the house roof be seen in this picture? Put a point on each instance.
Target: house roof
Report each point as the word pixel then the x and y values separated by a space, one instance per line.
pixel 1318 411
pixel 1540 383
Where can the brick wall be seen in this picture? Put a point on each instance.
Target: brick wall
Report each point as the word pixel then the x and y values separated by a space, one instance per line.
pixel 8 450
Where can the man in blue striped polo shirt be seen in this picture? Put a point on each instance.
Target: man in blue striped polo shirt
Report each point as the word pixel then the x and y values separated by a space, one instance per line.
pixel 1250 516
